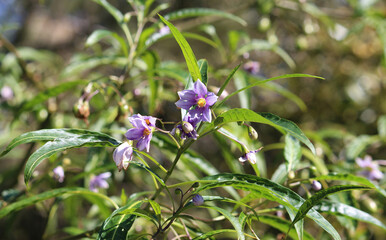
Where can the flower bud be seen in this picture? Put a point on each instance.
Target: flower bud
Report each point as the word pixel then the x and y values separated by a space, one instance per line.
pixel 6 93
pixel 291 174
pixel 187 127
pixel 370 204
pixel 316 185
pixel 58 174
pixel 198 200
pixel 81 109
pixel 252 133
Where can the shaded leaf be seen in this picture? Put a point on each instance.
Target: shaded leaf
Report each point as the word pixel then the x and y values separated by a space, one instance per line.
pixel 292 152
pixel 99 34
pixel 47 195
pixel 117 227
pixel 209 234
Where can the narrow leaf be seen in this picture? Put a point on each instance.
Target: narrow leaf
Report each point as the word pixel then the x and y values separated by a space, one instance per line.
pixel 209 234
pixel 227 80
pixel 61 144
pixel 317 197
pixel 117 227
pixel 292 152
pixel 267 189
pixel 190 59
pixel 233 220
pixel 283 125
pixel 340 209
pixel 264 81
pixel 196 12
pixel 49 135
pixel 282 225
pixel 203 66
pixel 5 211
pixel 45 95
pixel 352 178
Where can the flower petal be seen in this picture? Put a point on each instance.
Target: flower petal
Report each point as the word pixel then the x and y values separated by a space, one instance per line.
pixel 206 115
pixel 200 88
pixel 211 99
pixel 185 104
pixel 134 133
pixel 187 94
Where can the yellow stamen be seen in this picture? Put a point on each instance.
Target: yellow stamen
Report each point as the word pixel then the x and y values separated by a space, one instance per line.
pixel 147 121
pixel 201 102
pixel 146 132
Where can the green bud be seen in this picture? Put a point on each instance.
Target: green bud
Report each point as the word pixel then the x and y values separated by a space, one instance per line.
pixel 370 204
pixel 291 174
pixel 252 133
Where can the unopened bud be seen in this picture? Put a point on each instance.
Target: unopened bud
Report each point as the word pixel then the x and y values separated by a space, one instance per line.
pixel 187 127
pixel 291 174
pixel 316 185
pixel 198 200
pixel 82 109
pixel 252 133
pixel 370 204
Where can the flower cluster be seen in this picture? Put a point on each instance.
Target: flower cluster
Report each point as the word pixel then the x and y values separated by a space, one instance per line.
pixel 196 101
pixel 370 168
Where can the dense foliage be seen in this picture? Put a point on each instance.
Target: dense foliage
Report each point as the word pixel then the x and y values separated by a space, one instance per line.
pixel 147 134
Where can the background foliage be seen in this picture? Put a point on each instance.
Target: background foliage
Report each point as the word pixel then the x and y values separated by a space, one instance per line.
pixel 91 64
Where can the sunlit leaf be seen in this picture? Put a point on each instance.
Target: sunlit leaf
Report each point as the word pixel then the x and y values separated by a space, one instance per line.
pixel 317 197
pixel 196 12
pixel 203 66
pixel 283 125
pixel 351 178
pixel 100 34
pixel 189 56
pixel 267 189
pixel 340 209
pixel 61 144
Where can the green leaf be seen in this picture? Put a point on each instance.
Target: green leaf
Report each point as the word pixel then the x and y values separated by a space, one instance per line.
pixel 286 93
pixel 258 44
pixel 292 152
pixel 82 64
pixel 209 234
pixel 283 125
pixel 99 34
pixel 190 59
pixel 151 59
pixel 282 225
pixel 5 211
pixel 45 95
pixel 203 66
pixel 61 144
pixel 351 178
pixel 259 82
pixel 245 97
pixel 111 9
pixel 196 12
pixel 49 135
pixel 233 220
pixel 382 126
pixel 117 227
pixel 317 197
pixel 267 189
pixel 340 209
pixel 359 144
pixel 223 86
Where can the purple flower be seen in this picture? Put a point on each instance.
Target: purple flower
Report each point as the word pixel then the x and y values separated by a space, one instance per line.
pixel 371 170
pixel 198 200
pixel 197 101
pixel 123 155
pixel 188 127
pixel 164 30
pixel 252 67
pixel 249 156
pixel 142 131
pixel 99 181
pixel 6 93
pixel 58 174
